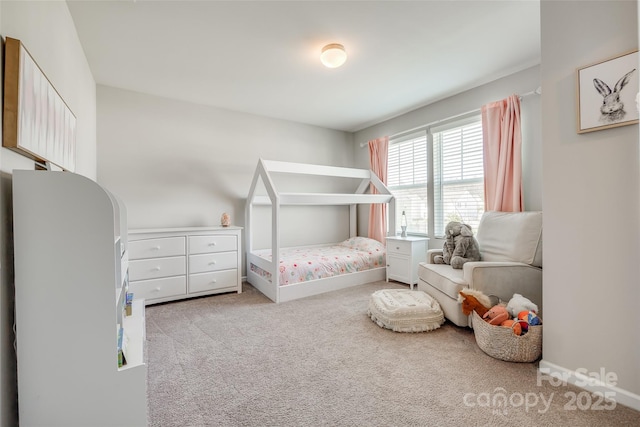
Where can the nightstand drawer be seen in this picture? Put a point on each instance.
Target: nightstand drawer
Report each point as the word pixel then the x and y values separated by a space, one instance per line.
pixel 143 269
pixel 159 288
pixel 399 268
pixel 399 247
pixel 155 248
pixel 209 281
pixel 213 262
pixel 208 244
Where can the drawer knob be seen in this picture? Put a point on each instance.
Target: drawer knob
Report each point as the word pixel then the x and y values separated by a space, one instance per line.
pixel 212 244
pixel 398 247
pixel 212 263
pixel 155 269
pixel 214 281
pixel 156 248
pixel 157 289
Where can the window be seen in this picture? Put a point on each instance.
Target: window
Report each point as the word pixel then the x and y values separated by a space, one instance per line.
pixel 446 161
pixel 458 176
pixel 407 178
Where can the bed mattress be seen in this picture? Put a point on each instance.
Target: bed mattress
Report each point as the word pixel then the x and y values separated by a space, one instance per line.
pixel 301 264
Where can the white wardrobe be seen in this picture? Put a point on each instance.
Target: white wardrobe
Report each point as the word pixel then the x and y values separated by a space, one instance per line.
pixel 71 272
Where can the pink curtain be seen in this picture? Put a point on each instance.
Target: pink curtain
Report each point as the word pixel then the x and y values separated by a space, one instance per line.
pixel 378 155
pixel 502 140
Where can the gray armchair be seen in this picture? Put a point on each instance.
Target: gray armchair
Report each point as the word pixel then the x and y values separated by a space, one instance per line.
pixel 511 262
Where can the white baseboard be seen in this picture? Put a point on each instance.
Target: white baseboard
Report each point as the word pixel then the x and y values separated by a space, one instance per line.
pixel 592 383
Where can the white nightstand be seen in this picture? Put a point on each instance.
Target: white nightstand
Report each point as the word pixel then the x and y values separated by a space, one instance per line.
pixel 403 256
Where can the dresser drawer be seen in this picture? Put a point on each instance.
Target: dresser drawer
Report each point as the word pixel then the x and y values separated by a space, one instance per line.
pixel 210 281
pixel 154 248
pixel 398 247
pixel 213 262
pixel 159 288
pixel 143 269
pixel 207 244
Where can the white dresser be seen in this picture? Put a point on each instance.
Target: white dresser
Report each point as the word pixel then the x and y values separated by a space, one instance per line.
pixel 176 263
pixel 403 256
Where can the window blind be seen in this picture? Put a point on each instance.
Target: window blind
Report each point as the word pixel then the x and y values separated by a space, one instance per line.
pixel 407 178
pixel 458 175
pixel 447 160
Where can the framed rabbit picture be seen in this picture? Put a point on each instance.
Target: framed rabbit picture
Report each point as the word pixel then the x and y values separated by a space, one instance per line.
pixel 607 93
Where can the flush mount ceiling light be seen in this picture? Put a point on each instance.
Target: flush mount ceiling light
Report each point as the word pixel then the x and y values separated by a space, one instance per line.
pixel 333 55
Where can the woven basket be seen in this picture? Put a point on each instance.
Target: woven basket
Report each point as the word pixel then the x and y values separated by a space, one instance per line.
pixel 503 344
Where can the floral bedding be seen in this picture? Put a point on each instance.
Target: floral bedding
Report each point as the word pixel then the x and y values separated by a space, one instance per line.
pixel 317 262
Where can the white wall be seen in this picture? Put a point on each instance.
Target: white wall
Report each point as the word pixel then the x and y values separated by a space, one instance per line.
pixel 591 188
pixel 47 31
pixel 518 83
pixel 180 164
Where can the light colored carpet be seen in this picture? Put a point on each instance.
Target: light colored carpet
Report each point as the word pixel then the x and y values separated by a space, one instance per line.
pixel 241 360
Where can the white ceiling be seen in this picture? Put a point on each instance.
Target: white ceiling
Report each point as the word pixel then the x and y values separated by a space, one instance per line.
pixel 262 57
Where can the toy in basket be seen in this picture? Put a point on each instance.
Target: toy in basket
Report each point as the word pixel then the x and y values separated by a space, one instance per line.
pixel 512 340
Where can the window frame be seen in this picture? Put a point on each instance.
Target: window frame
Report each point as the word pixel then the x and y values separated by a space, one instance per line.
pixel 428 132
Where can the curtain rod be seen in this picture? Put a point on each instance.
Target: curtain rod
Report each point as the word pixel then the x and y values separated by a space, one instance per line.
pixel 537 91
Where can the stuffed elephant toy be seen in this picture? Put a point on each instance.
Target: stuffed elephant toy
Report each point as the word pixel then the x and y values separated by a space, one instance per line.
pixel 459 247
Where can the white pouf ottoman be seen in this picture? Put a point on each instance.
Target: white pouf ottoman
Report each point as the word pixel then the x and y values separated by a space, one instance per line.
pixel 403 310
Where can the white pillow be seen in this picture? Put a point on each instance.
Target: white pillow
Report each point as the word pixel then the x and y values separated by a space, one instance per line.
pixel 363 244
pixel 511 236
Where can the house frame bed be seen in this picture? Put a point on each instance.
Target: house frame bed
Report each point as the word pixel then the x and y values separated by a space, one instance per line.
pixel 272 288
